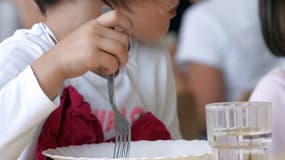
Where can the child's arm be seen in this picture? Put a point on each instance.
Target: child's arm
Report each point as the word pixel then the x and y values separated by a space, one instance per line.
pixel 23 107
pixel 23 103
pixel 94 46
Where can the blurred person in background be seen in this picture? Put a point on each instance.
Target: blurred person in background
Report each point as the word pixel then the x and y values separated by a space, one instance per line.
pixel 271 87
pixel 221 52
pixel 15 14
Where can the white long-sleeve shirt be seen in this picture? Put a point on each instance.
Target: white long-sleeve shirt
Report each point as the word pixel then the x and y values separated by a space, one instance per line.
pixel 145 83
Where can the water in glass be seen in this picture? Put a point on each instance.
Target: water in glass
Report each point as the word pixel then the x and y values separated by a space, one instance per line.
pixel 239 130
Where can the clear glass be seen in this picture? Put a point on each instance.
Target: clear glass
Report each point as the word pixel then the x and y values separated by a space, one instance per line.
pixel 239 130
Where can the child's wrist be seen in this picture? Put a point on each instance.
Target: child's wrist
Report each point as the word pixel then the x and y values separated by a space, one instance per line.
pixel 48 75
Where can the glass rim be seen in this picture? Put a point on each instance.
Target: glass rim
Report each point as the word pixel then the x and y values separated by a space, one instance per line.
pixel 238 104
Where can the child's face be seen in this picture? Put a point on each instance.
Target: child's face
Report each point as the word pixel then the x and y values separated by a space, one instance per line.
pixel 151 18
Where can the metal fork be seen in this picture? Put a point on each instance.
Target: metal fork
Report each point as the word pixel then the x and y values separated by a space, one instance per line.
pixel 122 126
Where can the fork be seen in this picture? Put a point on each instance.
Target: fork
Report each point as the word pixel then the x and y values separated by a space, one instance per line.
pixel 122 126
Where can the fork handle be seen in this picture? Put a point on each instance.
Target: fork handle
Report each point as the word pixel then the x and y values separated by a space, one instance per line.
pixel 111 89
pixel 110 81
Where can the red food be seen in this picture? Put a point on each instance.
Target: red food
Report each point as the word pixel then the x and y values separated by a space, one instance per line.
pixel 73 123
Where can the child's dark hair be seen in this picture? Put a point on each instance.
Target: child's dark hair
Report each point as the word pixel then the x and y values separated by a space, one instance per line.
pixel 44 4
pixel 272 16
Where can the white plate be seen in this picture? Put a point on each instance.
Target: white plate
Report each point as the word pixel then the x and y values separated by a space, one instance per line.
pixel 140 150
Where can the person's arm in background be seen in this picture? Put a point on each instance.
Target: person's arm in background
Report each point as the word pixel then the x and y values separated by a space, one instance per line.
pixel 200 55
pixel 29 13
pixel 206 84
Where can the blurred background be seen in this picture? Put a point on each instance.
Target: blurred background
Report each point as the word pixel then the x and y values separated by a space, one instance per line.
pixel 15 14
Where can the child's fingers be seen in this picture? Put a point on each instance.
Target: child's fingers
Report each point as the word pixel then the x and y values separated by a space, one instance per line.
pixel 107 63
pixel 115 48
pixel 114 19
pixel 115 35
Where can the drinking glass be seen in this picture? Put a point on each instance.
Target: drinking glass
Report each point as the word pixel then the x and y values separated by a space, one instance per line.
pixel 239 130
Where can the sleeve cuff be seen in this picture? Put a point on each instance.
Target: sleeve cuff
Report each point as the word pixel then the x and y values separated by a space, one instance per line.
pixel 34 89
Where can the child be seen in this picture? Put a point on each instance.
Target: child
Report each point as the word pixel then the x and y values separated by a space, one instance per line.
pixel 271 87
pixel 77 46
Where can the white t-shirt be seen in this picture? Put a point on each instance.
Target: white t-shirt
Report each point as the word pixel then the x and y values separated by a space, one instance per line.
pixel 272 89
pixel 145 83
pixel 226 34
pixel 9 19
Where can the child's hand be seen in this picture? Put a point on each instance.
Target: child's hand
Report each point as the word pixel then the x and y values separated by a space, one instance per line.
pixel 95 46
